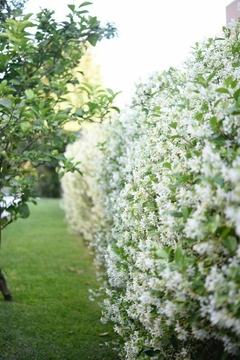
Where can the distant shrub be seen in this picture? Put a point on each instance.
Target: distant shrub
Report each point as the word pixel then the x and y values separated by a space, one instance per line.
pixel 48 182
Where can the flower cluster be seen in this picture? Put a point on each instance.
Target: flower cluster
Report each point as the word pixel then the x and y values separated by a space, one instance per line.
pixel 166 185
pixel 81 199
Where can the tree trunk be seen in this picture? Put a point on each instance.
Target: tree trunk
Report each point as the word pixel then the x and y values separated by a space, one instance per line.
pixel 3 283
pixel 4 288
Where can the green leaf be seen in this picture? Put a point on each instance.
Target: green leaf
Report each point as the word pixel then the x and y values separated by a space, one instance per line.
pixel 24 24
pixel 175 137
pixel 199 116
pixel 59 157
pixel 236 64
pixel 71 7
pixel 198 284
pixel 93 39
pixel 29 94
pixel 27 16
pixel 176 214
pixel 222 90
pixel 201 80
pixel 173 125
pixel 167 165
pixel 25 126
pixel 178 254
pixel 234 272
pixel 157 109
pixel 116 109
pixel 218 179
pixel 174 342
pixel 210 77
pixel 229 81
pixel 86 3
pixel 92 105
pixel 79 112
pixel 4 35
pixel 234 110
pixel 14 82
pixel 62 116
pixel 110 91
pixel 213 121
pixel 185 212
pixel 162 254
pixel 6 103
pixel 214 223
pixel 236 48
pixel 72 138
pixel 236 95
pixel 150 352
pixel 231 243
pixel 24 211
pixel 225 232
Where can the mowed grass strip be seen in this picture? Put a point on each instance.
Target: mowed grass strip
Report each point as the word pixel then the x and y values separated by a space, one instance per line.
pixel 50 273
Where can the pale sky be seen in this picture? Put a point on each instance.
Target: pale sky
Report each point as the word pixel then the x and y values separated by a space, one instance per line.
pixel 153 34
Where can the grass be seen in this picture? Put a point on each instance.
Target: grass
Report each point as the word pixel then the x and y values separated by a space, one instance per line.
pixel 50 273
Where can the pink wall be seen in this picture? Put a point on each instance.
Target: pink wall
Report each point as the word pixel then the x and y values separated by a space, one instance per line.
pixel 232 12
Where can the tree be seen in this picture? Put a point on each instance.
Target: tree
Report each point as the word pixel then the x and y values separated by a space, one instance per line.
pixel 87 72
pixel 37 62
pixel 8 7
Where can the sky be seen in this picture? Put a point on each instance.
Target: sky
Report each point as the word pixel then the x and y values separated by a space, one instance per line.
pixel 152 35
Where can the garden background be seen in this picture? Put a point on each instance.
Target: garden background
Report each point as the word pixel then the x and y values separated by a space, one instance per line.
pixel 154 192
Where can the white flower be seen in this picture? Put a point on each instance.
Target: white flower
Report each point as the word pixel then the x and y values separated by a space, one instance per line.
pixel 181 333
pixel 204 248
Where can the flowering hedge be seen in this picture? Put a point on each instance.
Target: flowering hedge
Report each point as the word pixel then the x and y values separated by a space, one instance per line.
pixel 165 187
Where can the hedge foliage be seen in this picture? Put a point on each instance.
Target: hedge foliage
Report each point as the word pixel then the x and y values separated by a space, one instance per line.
pixel 162 194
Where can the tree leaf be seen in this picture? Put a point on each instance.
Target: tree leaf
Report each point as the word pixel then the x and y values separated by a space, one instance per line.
pixel 6 103
pixel 93 39
pixel 29 94
pixel 25 126
pixel 71 7
pixel 86 3
pixel 115 108
pixel 24 211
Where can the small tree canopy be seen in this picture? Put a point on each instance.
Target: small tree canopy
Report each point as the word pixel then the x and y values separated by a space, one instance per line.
pixel 37 61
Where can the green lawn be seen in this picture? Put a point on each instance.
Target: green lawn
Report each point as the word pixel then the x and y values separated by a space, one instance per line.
pixel 49 273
